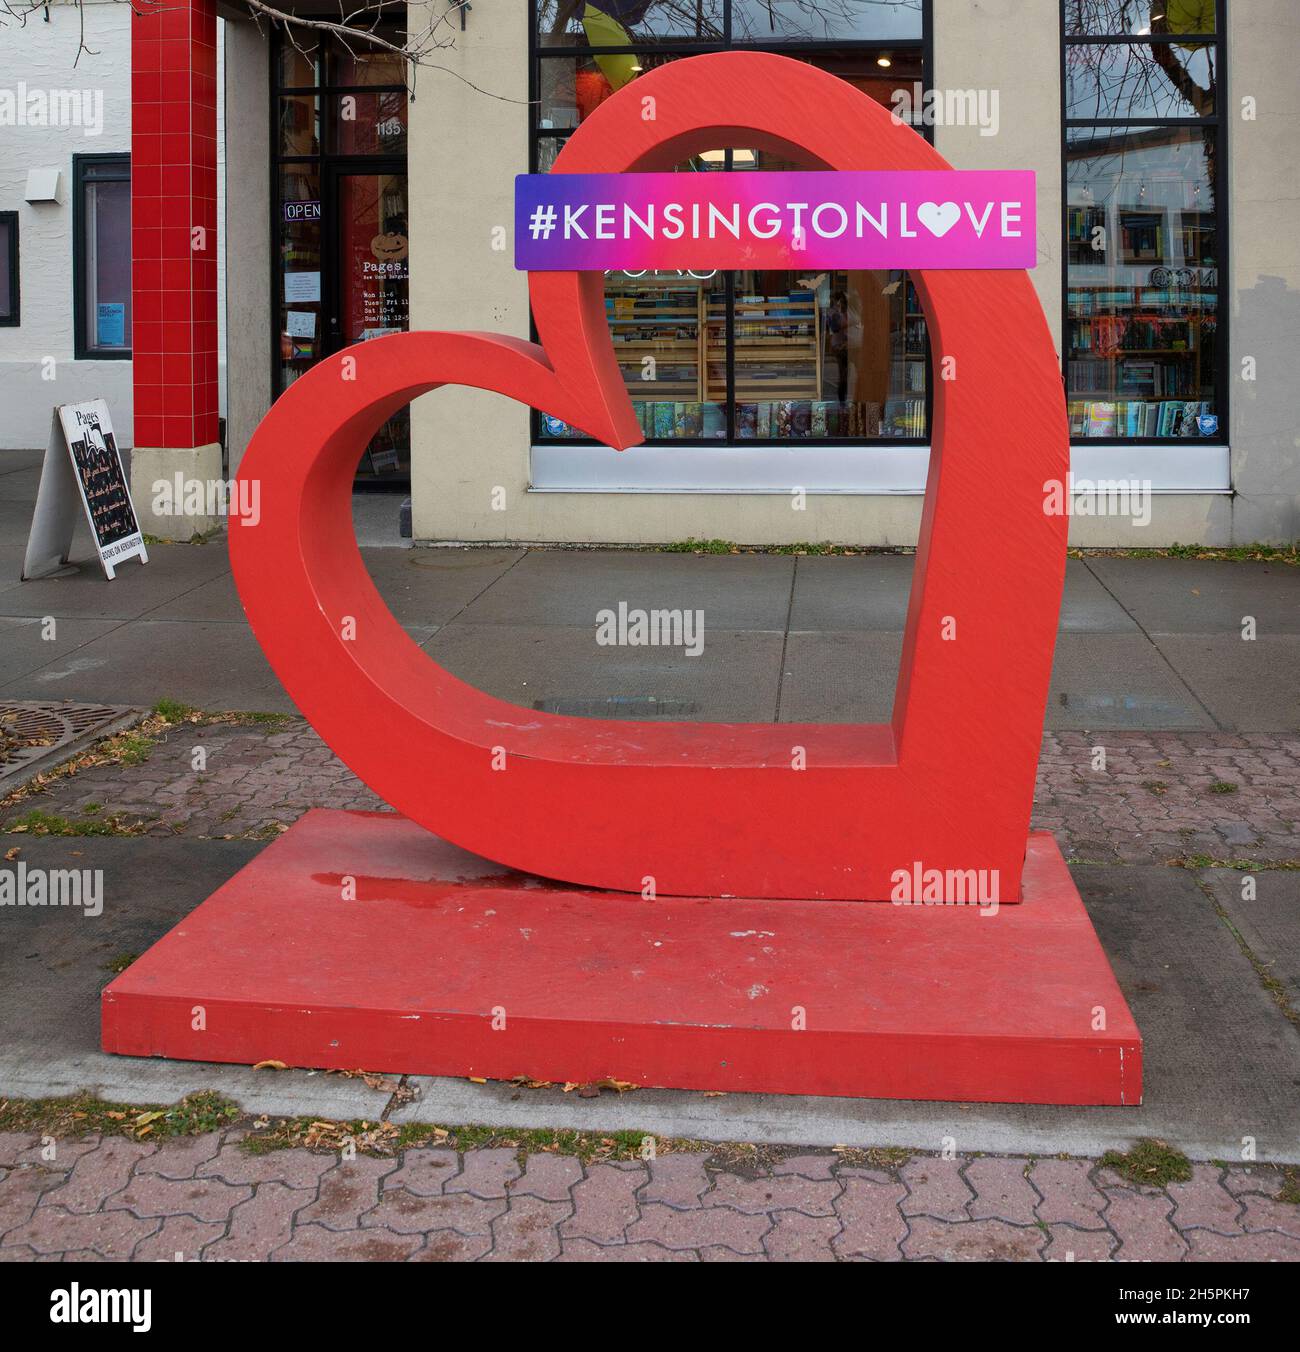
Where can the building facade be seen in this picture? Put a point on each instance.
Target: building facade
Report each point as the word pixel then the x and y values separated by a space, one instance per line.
pixel 367 198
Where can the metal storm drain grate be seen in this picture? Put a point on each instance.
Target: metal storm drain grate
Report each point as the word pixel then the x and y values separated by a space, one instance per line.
pixel 35 735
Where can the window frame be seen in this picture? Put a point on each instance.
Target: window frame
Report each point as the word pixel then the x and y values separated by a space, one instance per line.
pixel 677 48
pixel 14 318
pixel 324 161
pixel 82 349
pixel 1217 123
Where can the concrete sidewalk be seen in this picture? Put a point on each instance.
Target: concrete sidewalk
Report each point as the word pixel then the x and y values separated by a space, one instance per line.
pixel 1144 643
pixel 1201 792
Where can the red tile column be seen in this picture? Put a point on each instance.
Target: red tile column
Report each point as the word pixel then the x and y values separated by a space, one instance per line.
pixel 174 223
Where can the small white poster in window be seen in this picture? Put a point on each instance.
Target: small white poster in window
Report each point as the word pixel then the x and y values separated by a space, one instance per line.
pixel 301 286
pixel 301 324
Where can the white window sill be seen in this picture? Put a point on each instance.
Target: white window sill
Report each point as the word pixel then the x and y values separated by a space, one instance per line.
pixel 560 467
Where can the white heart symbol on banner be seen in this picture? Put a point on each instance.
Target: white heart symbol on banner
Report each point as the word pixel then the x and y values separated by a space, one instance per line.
pixel 938 217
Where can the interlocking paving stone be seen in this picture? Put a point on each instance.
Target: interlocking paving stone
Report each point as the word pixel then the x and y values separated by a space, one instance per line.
pixel 1141 1220
pixel 796 1237
pixel 1002 1192
pixel 678 1180
pixel 348 1190
pixel 529 1231
pixel 433 1204
pixel 260 776
pixel 314 1244
pixel 1205 1203
pixel 206 1199
pixel 259 1225
pixel 98 1174
pixel 1068 1194
pixel 936 1188
pixel 972 1241
pixel 1068 1245
pixel 702 1227
pixel 486 1173
pixel 295 1168
pixel 585 1251
pixel 874 1227
pixel 408 1213
pixel 604 1204
pixel 178 1235
pixel 548 1177
pixel 55 1229
pixel 758 1195
pixel 1207 1247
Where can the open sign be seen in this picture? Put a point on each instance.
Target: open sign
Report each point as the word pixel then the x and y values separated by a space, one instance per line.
pixel 302 211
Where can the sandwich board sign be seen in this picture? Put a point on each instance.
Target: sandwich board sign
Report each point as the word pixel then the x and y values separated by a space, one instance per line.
pixel 83 467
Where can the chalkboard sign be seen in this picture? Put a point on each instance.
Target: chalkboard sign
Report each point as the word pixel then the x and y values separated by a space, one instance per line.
pixel 82 462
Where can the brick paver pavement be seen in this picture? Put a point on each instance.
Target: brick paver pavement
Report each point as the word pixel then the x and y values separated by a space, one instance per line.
pixel 1160 795
pixel 206 1198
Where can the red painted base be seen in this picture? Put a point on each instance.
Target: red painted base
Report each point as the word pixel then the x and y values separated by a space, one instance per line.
pixel 443 964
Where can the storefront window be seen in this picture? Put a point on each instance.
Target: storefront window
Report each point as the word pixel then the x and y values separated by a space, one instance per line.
pixel 1144 346
pixel 342 270
pixel 620 23
pixel 101 228
pixel 745 356
pixel 773 21
pixel 8 268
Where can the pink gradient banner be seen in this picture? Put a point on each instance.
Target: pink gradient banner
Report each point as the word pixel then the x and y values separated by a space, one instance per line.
pixel 944 218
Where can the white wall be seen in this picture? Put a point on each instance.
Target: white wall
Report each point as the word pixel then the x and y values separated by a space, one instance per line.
pixel 41 56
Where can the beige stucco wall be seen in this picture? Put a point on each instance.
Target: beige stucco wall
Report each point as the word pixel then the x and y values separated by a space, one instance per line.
pixel 1264 281
pixel 466 147
pixel 244 226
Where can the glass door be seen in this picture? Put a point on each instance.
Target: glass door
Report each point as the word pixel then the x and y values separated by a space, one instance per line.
pixel 369 248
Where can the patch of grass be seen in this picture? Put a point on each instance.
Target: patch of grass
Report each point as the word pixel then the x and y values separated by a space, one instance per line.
pixel 1290 1186
pixel 388 1138
pixel 1156 786
pixel 271 720
pixel 84 1114
pixel 812 550
pixel 173 711
pixel 1223 786
pixel 128 748
pixel 1254 553
pixel 38 823
pixel 1195 861
pixel 120 963
pixel 1151 1162
pixel 885 1157
pixel 693 546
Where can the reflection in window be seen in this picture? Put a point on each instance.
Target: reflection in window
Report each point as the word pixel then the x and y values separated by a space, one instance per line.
pixel 1144 349
pixel 1143 300
pixel 8 267
pixel 102 229
pixel 1139 79
pixel 763 356
pixel 621 23
pixel 1136 18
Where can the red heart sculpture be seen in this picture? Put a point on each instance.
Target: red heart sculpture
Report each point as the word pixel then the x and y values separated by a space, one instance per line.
pixel 702 809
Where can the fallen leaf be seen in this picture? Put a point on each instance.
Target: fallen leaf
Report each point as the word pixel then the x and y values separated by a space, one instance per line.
pixel 477 1079
pixel 270 1065
pixel 147 1117
pixel 11 855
